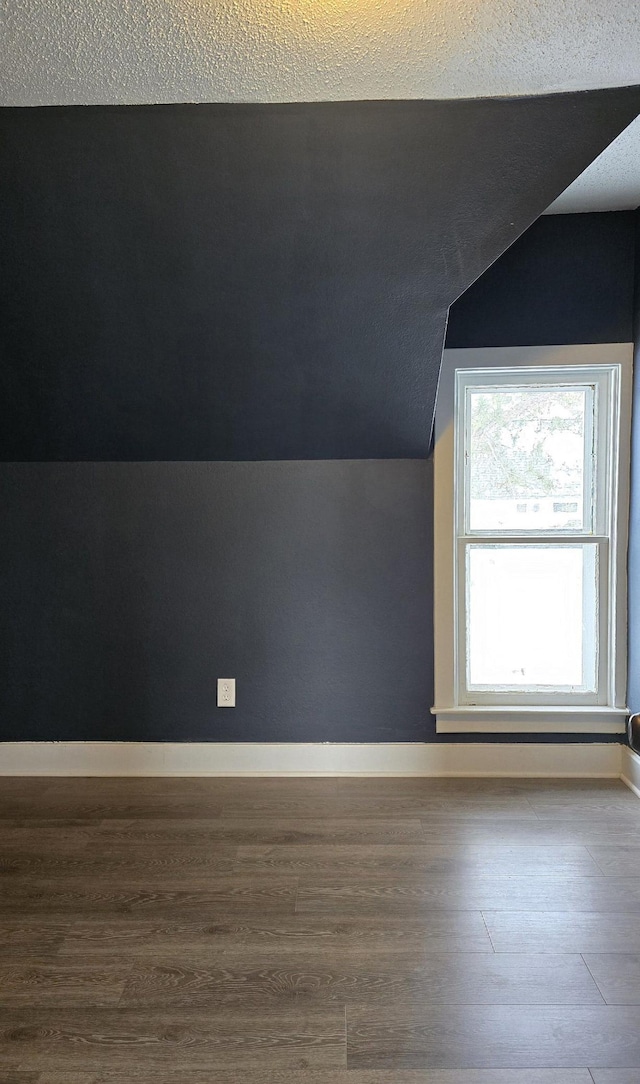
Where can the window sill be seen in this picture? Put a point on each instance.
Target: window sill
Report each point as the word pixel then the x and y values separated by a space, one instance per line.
pixel 530 720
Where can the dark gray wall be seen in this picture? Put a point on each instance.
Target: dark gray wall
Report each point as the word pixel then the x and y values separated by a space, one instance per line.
pixel 143 319
pixel 235 282
pixel 128 588
pixel 569 279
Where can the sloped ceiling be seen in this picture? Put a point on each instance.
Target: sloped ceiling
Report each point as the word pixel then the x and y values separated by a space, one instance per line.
pixel 610 183
pixel 259 281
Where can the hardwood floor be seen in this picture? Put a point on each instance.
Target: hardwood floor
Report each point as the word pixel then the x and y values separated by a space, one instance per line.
pixel 322 931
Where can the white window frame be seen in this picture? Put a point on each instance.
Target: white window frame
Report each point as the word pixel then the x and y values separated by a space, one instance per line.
pixel 455 710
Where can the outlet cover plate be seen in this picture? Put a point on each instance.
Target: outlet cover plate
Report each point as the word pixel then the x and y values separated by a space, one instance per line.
pixel 226 692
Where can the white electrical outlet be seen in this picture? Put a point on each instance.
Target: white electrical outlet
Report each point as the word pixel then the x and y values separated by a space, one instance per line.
pixel 226 692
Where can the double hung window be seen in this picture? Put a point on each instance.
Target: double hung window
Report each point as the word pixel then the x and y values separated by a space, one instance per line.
pixel 535 566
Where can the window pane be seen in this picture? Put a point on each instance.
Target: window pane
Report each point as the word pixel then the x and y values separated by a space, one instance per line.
pixel 526 458
pixel 532 616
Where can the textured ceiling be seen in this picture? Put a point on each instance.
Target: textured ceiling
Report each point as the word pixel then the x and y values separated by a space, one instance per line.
pixel 107 51
pixel 147 51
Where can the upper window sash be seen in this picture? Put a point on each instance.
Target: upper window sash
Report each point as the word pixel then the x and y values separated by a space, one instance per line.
pixel 600 386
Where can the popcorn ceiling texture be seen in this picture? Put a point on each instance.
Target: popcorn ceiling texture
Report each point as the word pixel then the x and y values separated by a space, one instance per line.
pixel 145 51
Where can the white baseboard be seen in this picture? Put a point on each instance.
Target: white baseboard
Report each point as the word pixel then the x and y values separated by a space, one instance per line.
pixel 631 770
pixel 333 759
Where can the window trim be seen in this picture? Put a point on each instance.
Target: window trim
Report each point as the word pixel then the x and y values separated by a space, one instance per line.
pixel 451 715
pixel 605 379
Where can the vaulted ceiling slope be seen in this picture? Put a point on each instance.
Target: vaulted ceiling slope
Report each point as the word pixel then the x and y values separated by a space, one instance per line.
pixel 611 182
pixel 258 281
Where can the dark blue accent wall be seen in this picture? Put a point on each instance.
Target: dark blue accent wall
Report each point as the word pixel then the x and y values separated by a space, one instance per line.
pixel 172 301
pixel 134 585
pixel 128 588
pixel 569 279
pixel 258 282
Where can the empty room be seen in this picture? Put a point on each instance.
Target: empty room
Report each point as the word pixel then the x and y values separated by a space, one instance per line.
pixel 319 542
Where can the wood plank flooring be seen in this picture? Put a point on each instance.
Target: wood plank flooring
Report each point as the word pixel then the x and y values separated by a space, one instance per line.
pixel 319 931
